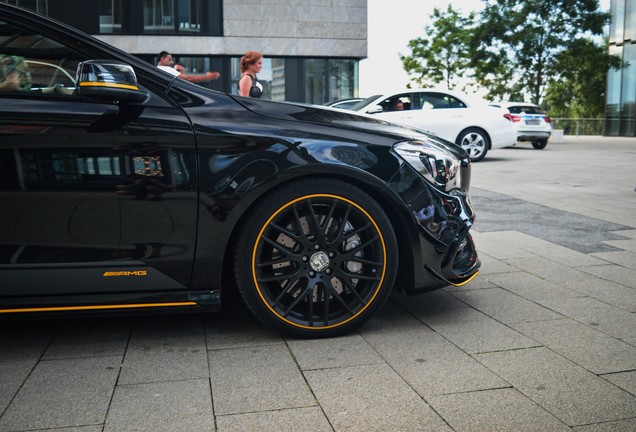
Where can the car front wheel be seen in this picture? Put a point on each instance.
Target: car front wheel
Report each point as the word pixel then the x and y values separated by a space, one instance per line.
pixel 475 142
pixel 316 258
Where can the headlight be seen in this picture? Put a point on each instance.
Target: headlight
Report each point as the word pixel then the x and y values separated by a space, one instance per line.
pixel 435 164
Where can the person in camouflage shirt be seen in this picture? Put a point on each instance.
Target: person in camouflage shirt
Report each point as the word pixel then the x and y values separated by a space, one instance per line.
pixel 14 73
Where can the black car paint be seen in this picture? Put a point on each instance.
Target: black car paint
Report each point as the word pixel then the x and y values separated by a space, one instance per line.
pixel 125 240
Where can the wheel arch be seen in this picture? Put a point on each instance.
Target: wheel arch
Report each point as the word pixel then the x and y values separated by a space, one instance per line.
pixel 405 274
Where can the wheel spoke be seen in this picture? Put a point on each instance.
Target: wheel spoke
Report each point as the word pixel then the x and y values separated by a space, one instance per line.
pixel 298 299
pixel 278 246
pixel 285 231
pixel 288 290
pixel 337 296
pixel 314 220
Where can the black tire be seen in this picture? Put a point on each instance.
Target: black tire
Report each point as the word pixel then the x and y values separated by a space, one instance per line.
pixel 540 144
pixel 476 142
pixel 316 258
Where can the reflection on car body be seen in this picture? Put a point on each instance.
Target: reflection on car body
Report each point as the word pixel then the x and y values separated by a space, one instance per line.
pixel 141 191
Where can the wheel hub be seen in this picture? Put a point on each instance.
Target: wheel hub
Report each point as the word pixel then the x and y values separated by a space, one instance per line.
pixel 319 261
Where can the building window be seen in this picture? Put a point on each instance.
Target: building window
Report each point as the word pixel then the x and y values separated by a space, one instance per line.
pixel 159 16
pixel 172 16
pixel 109 16
pixel 39 6
pixel 343 79
pixel 316 85
pixel 327 80
pixel 630 21
pixel 612 110
pixel 189 16
pixel 628 93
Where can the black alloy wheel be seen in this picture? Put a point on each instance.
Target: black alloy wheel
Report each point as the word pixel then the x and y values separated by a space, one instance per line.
pixel 316 258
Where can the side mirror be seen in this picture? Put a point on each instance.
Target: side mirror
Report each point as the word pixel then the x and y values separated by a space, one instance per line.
pixel 375 110
pixel 108 80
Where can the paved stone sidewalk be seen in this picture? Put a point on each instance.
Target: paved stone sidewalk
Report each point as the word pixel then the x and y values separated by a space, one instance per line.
pixel 543 340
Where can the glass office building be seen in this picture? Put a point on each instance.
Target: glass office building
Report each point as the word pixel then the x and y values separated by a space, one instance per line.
pixel 312 49
pixel 620 113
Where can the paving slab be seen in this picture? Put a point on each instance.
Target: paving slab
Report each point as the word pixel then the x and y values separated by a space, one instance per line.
pixel 623 258
pixel 236 327
pixel 62 393
pixel 624 380
pixel 573 340
pixel 90 338
pixel 21 350
pixel 286 420
pixel 165 349
pixel 351 350
pixel 532 287
pixel 596 314
pixel 258 378
pixel 506 307
pixel 612 293
pixel 371 398
pixel 166 406
pixel 550 270
pixel 431 364
pixel 495 410
pixel 572 394
pixel 615 273
pixel 475 332
pixel 615 426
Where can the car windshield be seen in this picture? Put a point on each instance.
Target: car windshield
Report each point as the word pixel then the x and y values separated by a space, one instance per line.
pixel 364 102
pixel 525 109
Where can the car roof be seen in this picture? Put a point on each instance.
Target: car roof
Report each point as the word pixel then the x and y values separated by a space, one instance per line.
pixel 509 104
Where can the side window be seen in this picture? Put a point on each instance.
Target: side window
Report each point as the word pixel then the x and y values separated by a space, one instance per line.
pixel 440 101
pixel 33 64
pixel 399 102
pixel 453 102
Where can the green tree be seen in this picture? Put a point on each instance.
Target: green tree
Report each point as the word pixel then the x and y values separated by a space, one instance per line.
pixel 441 56
pixel 580 90
pixel 518 45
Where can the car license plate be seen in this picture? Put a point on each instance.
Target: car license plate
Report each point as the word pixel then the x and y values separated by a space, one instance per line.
pixel 532 122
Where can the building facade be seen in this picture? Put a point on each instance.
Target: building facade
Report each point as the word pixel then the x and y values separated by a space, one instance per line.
pixel 311 48
pixel 620 113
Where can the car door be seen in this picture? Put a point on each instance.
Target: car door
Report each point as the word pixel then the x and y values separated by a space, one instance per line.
pixel 95 197
pixel 442 113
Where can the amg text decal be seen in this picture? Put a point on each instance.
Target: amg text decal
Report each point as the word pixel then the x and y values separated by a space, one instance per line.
pixel 125 273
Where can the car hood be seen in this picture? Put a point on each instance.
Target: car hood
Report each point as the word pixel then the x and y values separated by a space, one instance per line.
pixel 344 119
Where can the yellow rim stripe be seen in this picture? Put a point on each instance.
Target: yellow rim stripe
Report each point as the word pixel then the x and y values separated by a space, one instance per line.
pixel 103 84
pixel 96 307
pixel 292 203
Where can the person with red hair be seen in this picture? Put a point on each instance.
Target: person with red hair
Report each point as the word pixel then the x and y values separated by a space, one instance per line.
pixel 248 84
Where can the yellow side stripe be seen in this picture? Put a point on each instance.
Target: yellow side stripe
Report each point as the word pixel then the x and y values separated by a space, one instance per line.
pixel 96 307
pixel 103 84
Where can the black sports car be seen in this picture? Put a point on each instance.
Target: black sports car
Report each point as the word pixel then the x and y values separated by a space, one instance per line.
pixel 123 188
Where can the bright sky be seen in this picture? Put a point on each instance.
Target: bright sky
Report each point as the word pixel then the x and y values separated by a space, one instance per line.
pixel 392 24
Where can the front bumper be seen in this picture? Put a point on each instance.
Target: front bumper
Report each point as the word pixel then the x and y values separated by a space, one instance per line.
pixel 444 250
